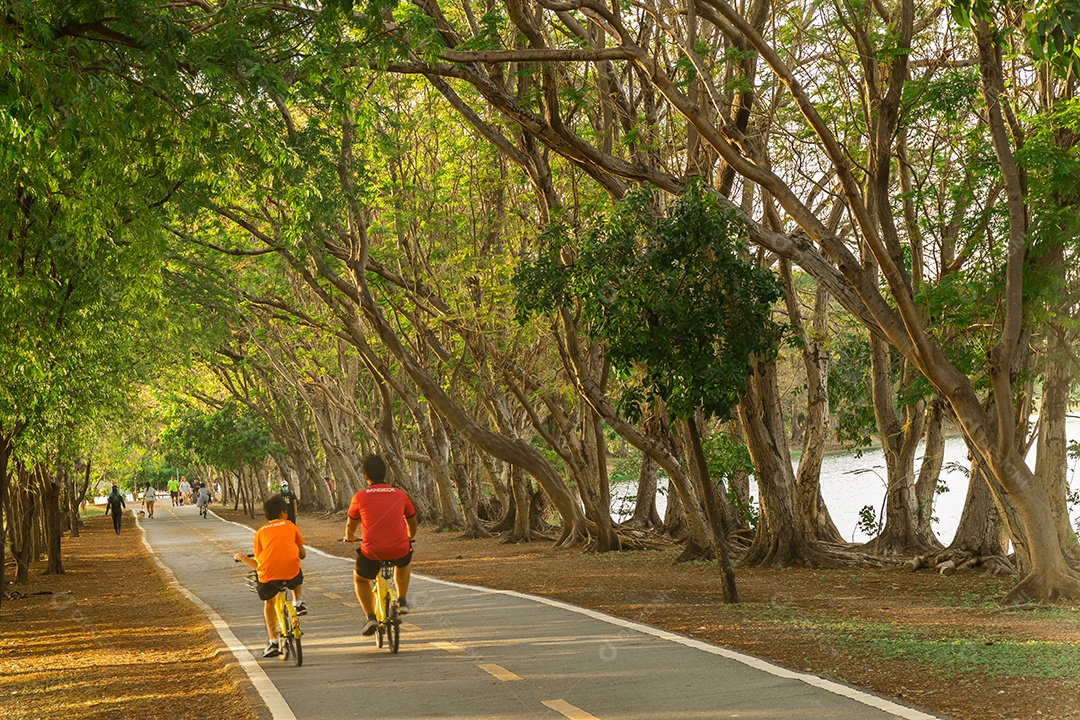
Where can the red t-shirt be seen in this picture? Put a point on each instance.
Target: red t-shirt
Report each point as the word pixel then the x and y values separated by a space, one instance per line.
pixel 381 510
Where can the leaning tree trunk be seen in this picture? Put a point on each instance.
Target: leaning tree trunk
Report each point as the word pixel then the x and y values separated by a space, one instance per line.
pixel 652 439
pixel 511 450
pixel 713 512
pixel 595 452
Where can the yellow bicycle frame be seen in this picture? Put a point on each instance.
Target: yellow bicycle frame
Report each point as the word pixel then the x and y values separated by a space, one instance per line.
pixel 382 589
pixel 286 616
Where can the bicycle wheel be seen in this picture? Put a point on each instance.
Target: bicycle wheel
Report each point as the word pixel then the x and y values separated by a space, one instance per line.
pixel 294 649
pixel 391 621
pixel 393 631
pixel 298 652
pixel 379 636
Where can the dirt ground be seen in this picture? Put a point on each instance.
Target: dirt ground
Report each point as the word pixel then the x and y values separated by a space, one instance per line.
pixel 111 639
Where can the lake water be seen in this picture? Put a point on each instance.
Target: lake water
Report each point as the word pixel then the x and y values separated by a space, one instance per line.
pixel 849 483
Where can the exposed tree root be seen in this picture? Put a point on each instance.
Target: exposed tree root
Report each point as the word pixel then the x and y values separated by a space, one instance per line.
pixel 1045 587
pixel 792 551
pixel 949 562
pixel 694 552
pixel 475 533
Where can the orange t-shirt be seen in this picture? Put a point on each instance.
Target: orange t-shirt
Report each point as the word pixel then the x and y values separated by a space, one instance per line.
pixel 277 550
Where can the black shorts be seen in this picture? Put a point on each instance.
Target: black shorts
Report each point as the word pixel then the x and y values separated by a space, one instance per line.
pixel 174 493
pixel 267 590
pixel 369 569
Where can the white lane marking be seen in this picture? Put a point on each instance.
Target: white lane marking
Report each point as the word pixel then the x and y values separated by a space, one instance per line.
pixel 449 647
pixel 564 708
pixel 279 709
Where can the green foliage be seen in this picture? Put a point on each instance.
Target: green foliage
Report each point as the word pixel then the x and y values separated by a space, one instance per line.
pixel 229 439
pixel 1053 28
pixel 868 522
pixel 850 399
pixel 676 300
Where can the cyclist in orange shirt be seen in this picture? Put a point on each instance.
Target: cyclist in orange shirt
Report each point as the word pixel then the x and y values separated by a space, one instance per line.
pixel 279 548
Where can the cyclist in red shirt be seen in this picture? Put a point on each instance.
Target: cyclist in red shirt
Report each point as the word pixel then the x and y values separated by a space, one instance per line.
pixel 387 523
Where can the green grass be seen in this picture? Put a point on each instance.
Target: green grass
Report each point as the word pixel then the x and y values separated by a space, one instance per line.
pixel 947 653
pixel 997 657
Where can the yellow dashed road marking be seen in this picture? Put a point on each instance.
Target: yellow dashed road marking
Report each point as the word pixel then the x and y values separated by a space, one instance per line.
pixel 565 708
pixel 499 672
pixel 449 647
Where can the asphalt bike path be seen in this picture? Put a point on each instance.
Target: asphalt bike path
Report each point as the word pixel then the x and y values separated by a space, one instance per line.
pixel 470 652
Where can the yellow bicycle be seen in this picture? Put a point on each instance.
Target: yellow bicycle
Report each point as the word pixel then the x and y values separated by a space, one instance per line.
pixel 388 631
pixel 288 622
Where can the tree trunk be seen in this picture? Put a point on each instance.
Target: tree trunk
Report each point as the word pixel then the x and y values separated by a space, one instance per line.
pixel 712 512
pixel 53 518
pixel 929 473
pixel 595 467
pixel 450 515
pixel 78 497
pixel 645 515
pixel 6 446
pixel 23 525
pixel 815 427
pixel 899 442
pixel 522 507
pixel 473 527
pixel 1052 458
pixel 980 533
pixel 784 535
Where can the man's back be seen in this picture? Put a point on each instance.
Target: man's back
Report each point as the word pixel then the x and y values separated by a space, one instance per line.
pixel 382 509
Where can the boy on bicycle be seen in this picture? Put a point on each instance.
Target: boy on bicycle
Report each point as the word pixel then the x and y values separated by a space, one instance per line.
pixel 387 523
pixel 279 548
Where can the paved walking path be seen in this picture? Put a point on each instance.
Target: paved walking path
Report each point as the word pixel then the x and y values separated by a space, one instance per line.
pixel 476 653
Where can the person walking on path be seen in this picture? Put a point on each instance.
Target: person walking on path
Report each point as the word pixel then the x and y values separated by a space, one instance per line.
pixel 174 490
pixel 148 499
pixel 185 490
pixel 115 504
pixel 290 498
pixel 387 523
pixel 279 548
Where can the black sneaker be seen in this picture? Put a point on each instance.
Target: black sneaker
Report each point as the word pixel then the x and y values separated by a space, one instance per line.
pixel 271 649
pixel 370 627
pixel 300 607
pixel 402 607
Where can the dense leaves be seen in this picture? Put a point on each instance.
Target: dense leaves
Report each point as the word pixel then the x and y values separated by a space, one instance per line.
pixel 679 305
